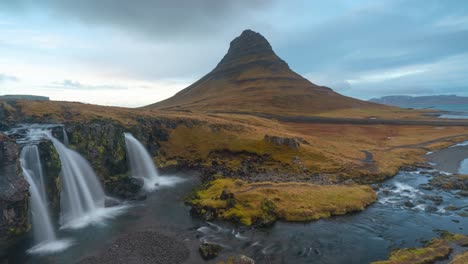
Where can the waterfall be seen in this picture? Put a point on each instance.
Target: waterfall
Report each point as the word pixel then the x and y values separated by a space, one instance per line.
pixel 82 194
pixel 43 230
pixel 32 171
pixel 65 136
pixel 142 165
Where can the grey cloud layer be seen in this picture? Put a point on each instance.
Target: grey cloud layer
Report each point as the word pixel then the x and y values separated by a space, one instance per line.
pixel 371 38
pixel 159 19
pixel 383 37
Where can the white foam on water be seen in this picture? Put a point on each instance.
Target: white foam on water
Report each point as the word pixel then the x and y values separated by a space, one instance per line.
pixel 463 169
pixel 151 184
pixel 205 230
pixel 420 207
pixel 98 217
pixel 240 237
pixel 463 144
pixel 49 247
pixel 405 190
pixel 452 116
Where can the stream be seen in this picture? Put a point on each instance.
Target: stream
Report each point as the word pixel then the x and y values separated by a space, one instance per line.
pixel 405 215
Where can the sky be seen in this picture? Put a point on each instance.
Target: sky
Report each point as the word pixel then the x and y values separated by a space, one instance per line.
pixel 134 53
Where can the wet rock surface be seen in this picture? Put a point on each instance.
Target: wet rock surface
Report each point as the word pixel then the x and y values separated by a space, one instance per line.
pixel 209 250
pixel 14 192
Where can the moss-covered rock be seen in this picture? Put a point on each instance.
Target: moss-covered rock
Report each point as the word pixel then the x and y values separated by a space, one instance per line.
pixel 209 250
pixel 51 167
pixel 435 250
pixel 262 203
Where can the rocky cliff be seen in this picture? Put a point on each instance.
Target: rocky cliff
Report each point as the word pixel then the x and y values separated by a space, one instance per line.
pixel 14 194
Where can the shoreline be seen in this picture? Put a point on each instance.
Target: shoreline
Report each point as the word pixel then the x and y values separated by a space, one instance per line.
pixel 448 159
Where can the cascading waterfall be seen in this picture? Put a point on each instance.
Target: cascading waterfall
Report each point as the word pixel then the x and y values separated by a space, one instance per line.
pixel 142 165
pixel 65 136
pixel 82 194
pixel 44 233
pixel 42 225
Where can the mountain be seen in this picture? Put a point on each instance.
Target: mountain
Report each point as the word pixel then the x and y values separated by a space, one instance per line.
pixel 252 78
pixel 14 97
pixel 421 101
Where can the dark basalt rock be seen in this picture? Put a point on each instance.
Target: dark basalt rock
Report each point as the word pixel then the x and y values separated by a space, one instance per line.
pixel 450 182
pixel 14 192
pixel 226 194
pixel 209 250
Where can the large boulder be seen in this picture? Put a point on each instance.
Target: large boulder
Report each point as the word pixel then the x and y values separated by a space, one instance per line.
pixel 293 143
pixel 14 192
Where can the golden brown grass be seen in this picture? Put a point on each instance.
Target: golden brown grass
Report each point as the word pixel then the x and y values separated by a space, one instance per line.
pixel 435 250
pixel 461 258
pixel 255 202
pixel 330 149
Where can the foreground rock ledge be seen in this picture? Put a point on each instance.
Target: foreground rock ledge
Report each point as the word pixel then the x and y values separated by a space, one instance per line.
pixel 265 202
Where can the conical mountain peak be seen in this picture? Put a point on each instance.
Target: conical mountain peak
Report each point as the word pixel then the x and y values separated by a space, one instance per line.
pixel 249 47
pixel 252 78
pixel 249 43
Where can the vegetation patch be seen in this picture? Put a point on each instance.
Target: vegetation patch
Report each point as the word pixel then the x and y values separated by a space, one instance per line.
pixel 435 250
pixel 461 258
pixel 264 202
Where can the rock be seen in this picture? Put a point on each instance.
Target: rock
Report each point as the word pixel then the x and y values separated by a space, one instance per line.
pixel 426 187
pixel 282 141
pixel 463 193
pixel 209 250
pixel 243 260
pixel 14 195
pixel 430 209
pixel 109 202
pixel 349 182
pixel 409 204
pixel 451 208
pixel 450 182
pixel 225 195
pixel 297 160
pixel 435 198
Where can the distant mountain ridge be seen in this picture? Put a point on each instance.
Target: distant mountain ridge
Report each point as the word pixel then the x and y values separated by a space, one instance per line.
pixel 421 101
pixel 23 97
pixel 251 78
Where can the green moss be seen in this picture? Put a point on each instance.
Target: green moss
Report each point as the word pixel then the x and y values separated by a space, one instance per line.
pixel 262 203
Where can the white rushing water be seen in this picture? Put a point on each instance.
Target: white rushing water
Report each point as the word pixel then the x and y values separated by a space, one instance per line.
pixel 463 167
pixel 82 194
pixel 65 137
pixel 142 165
pixel 44 233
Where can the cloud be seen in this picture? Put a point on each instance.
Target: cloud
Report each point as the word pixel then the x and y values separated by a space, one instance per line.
pixel 8 78
pixel 158 19
pixel 75 85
